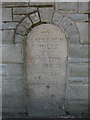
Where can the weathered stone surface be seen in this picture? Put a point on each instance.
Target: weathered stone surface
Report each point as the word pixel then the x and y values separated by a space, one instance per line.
pixel 13 102
pixel 23 10
pixel 46 61
pixel 18 38
pixel 74 39
pixel 57 17
pixel 27 22
pixel 35 17
pixel 46 14
pixel 78 17
pixel 78 79
pixel 12 53
pixel 78 92
pixel 78 69
pixel 83 30
pixel 14 4
pixel 12 69
pixel 78 51
pixel 77 107
pixel 83 7
pixel 21 29
pixel 6 14
pixel 7 36
pixel 66 7
pixel 9 25
pixel 18 17
pixel 13 88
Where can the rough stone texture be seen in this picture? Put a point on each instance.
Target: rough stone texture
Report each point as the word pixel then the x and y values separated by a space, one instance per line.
pixel 57 17
pixel 12 53
pixel 83 29
pixel 6 14
pixel 27 22
pixel 9 25
pixel 18 17
pixel 46 14
pixel 19 38
pixel 23 10
pixel 79 69
pixel 66 7
pixel 79 51
pixel 46 72
pixel 77 91
pixel 35 17
pixel 7 36
pixel 78 17
pixel 47 81
pixel 83 7
pixel 21 29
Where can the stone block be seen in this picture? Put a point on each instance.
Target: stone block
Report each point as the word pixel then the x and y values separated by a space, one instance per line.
pixel 35 17
pixel 78 17
pixel 74 39
pixel 18 17
pixel 78 69
pixel 12 53
pixel 66 7
pixel 77 92
pixel 83 7
pixel 77 107
pixel 7 36
pixel 21 29
pixel 78 79
pixel 83 30
pixel 13 102
pixel 57 17
pixel 46 14
pixel 13 88
pixel 23 10
pixel 78 51
pixel 6 14
pixel 9 25
pixel 14 4
pixel 19 38
pixel 12 69
pixel 27 22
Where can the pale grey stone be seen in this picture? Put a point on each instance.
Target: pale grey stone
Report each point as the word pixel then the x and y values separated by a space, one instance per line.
pixel 77 107
pixel 44 3
pixel 78 51
pixel 21 29
pixel 78 69
pixel 35 17
pixel 13 102
pixel 78 91
pixel 65 23
pixel 14 69
pixel 74 39
pixel 19 38
pixel 78 79
pixel 23 10
pixel 78 17
pixel 66 7
pixel 18 17
pixel 83 30
pixel 83 7
pixel 57 17
pixel 6 14
pixel 7 36
pixel 12 53
pixel 27 22
pixel 9 25
pixel 46 14
pixel 13 88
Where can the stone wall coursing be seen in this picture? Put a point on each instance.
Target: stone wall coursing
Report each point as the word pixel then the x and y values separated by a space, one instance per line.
pixel 15 29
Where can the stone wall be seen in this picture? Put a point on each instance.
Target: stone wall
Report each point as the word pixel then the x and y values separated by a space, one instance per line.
pixel 18 19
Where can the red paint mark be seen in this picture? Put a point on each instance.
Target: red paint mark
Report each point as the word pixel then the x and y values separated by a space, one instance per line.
pixel 29 60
